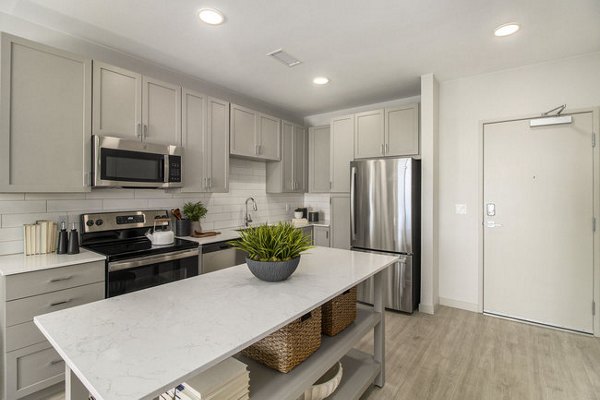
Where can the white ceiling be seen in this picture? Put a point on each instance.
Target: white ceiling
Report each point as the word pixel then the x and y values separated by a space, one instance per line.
pixel 371 50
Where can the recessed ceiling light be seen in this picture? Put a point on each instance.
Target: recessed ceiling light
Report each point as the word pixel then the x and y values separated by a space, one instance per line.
pixel 321 80
pixel 211 16
pixel 506 29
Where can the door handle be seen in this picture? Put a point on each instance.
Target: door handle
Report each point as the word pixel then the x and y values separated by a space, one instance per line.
pixel 145 134
pixel 352 201
pixel 58 303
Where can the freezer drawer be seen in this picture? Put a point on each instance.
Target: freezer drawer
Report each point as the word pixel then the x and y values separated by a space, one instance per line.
pixel 402 291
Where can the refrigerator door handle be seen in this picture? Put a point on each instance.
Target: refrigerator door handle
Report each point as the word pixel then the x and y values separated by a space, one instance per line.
pixel 352 203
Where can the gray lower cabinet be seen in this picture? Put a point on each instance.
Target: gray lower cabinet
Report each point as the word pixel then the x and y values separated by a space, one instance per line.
pixel 30 364
pixel 340 221
pixel 45 118
pixel 318 159
pixel 205 138
pixel 289 174
pixel 321 236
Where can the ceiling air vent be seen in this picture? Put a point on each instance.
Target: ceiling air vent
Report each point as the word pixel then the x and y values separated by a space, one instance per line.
pixel 285 58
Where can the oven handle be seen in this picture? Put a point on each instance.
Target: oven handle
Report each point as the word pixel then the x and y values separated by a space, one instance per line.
pixel 141 261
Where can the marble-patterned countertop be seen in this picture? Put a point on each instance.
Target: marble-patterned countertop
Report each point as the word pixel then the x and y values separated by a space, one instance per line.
pixel 233 233
pixel 136 345
pixel 20 263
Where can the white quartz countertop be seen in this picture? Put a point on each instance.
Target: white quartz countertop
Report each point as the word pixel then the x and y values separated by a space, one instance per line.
pixel 136 345
pixel 20 263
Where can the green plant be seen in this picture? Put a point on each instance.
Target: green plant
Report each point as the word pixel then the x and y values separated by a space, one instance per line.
pixel 194 211
pixel 280 242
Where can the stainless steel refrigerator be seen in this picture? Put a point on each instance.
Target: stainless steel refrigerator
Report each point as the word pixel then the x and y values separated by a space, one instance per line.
pixel 385 218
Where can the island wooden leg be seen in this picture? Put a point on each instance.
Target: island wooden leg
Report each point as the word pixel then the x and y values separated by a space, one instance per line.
pixel 379 339
pixel 74 389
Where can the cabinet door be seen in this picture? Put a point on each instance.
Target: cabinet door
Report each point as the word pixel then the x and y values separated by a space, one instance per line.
pixel 402 130
pixel 321 236
pixel 243 139
pixel 342 152
pixel 218 144
pixel 194 142
pixel 161 112
pixel 300 160
pixel 117 104
pixel 340 222
pixel 45 125
pixel 369 135
pixel 269 129
pixel 287 157
pixel 318 159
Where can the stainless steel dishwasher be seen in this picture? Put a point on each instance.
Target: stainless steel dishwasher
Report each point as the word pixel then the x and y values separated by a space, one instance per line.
pixel 220 255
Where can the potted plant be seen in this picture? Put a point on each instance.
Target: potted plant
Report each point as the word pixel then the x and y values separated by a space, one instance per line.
pixel 195 212
pixel 273 251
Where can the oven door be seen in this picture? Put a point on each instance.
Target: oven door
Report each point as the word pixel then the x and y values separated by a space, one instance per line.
pixel 126 276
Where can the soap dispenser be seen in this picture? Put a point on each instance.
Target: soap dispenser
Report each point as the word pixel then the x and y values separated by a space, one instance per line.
pixel 63 240
pixel 73 241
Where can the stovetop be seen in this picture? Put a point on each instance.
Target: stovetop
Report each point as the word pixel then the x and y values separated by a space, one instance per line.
pixel 136 247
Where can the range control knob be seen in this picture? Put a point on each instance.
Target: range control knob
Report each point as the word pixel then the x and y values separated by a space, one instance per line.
pixel 99 222
pixel 90 222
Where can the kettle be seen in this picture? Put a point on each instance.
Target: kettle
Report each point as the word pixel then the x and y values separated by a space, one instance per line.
pixel 162 237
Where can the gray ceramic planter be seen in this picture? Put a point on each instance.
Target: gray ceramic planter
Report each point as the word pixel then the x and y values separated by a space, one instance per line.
pixel 273 271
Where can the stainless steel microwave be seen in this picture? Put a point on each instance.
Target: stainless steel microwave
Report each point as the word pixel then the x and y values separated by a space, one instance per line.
pixel 130 163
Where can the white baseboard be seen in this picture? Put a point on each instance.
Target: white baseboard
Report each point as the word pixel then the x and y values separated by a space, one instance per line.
pixel 463 305
pixel 427 308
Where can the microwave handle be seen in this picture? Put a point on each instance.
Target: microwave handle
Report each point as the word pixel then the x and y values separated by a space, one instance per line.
pixel 166 167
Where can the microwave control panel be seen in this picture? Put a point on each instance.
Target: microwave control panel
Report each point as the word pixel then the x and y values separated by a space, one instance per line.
pixel 174 168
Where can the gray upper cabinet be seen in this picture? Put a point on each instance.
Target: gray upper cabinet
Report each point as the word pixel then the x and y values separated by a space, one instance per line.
pixel 289 174
pixel 45 118
pixel 161 111
pixel 342 152
pixel 369 134
pixel 205 138
pixel 129 105
pixel 389 132
pixel 318 159
pixel 254 135
pixel 402 130
pixel 117 102
pixel 269 144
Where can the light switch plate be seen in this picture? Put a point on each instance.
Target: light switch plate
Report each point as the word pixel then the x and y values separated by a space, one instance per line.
pixel 461 209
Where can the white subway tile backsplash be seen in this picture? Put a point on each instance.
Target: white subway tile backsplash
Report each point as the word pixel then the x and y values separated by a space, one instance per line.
pixel 11 247
pixel 118 205
pixel 17 220
pixel 12 196
pixel 17 207
pixel 107 193
pixel 151 194
pixel 54 196
pixel 11 234
pixel 75 205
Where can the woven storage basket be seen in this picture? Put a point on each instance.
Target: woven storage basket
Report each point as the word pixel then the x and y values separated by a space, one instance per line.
pixel 285 349
pixel 339 312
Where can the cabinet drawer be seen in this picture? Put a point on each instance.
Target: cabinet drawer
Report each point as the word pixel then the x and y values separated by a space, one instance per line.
pixel 31 369
pixel 23 310
pixel 50 280
pixel 23 335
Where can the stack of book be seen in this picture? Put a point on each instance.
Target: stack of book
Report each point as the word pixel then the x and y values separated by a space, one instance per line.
pixel 229 380
pixel 40 238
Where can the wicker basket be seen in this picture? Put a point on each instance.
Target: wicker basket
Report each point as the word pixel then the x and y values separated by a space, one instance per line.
pixel 288 347
pixel 339 312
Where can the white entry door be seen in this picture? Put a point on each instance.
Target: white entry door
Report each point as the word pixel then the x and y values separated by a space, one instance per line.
pixel 538 222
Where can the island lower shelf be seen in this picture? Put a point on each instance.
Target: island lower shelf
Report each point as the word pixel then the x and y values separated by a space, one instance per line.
pixel 360 369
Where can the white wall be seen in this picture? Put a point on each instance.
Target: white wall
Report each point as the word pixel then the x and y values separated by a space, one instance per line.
pixel 225 210
pixel 528 90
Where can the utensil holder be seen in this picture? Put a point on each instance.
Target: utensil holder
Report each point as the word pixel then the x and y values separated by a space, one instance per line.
pixel 183 227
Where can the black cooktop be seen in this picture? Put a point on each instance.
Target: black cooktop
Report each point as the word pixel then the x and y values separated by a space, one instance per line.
pixel 136 247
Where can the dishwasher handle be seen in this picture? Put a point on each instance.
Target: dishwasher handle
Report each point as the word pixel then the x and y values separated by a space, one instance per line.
pixel 211 248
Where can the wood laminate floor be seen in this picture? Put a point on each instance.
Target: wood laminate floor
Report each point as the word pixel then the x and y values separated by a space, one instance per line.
pixel 460 355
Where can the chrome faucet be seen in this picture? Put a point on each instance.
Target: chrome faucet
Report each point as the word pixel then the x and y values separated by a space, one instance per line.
pixel 248 217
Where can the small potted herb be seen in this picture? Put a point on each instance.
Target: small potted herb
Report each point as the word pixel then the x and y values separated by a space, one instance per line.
pixel 273 251
pixel 195 212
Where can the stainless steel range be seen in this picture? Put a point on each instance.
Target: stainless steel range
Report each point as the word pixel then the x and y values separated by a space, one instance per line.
pixel 132 262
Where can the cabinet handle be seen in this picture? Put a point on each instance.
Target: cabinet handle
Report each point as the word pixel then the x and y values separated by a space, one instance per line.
pixel 138 130
pixel 387 148
pixel 145 134
pixel 326 234
pixel 64 278
pixel 256 149
pixel 209 182
pixel 54 362
pixel 58 303
pixel 259 149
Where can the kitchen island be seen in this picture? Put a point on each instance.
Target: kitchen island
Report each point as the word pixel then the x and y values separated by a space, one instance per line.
pixel 138 345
